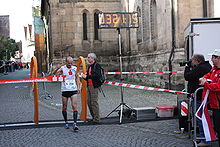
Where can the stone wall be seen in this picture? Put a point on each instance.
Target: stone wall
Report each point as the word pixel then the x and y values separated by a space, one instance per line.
pixel 162 27
pixel 148 62
pixel 67 29
pixel 150 54
pixel 156 62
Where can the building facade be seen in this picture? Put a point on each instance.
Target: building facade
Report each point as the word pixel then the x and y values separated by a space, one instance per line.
pixel 156 45
pixel 74 30
pixel 4 26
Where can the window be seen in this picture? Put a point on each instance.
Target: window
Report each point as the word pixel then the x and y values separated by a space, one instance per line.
pixel 96 23
pixel 85 31
pixel 139 32
pixel 153 19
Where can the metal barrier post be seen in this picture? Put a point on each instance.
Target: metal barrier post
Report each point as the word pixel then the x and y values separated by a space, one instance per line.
pixel 194 116
pixel 189 115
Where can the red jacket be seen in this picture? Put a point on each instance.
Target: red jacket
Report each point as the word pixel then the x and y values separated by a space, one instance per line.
pixel 214 87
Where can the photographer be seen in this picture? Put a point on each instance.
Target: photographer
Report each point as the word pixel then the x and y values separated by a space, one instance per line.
pixel 194 70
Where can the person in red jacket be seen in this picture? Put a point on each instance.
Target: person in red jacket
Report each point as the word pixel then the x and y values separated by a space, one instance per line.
pixel 211 81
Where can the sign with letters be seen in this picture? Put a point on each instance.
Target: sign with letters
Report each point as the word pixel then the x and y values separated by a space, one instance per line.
pixel 118 20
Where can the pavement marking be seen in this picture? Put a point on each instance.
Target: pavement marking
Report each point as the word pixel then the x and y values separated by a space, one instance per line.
pixel 33 124
pixel 56 104
pixel 21 86
pixel 154 131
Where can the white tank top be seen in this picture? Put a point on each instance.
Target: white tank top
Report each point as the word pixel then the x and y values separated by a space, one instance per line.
pixel 70 80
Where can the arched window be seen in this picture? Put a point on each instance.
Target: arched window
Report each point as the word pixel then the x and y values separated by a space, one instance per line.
pixel 96 23
pixel 85 31
pixel 139 32
pixel 153 19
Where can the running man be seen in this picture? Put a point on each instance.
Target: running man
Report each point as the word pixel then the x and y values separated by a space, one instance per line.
pixel 69 88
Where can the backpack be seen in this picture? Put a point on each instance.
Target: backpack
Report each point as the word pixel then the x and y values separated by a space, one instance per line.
pixel 102 76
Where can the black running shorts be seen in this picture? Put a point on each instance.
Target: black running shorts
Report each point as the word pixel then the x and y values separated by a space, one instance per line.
pixel 68 94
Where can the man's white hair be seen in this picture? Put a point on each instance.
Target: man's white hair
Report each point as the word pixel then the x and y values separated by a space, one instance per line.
pixel 69 58
pixel 93 55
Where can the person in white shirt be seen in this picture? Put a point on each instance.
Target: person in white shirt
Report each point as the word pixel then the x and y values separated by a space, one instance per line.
pixel 69 88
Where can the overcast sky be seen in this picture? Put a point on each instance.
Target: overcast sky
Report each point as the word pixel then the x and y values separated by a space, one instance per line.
pixel 20 12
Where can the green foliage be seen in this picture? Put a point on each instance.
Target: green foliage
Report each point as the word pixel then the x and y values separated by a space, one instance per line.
pixel 8 47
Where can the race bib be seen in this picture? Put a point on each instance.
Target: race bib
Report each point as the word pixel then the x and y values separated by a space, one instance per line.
pixel 70 84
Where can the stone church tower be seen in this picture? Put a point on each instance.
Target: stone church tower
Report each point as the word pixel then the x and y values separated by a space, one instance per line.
pixel 73 27
pixel 157 45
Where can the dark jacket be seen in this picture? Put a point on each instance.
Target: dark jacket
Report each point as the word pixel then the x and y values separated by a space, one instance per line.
pixel 192 75
pixel 95 74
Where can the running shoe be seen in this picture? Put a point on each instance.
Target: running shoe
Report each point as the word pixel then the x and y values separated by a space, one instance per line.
pixel 75 128
pixel 66 126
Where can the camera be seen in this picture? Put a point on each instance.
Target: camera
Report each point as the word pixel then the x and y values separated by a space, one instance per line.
pixel 183 63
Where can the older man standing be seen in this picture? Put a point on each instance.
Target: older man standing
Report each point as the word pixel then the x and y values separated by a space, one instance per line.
pixel 93 83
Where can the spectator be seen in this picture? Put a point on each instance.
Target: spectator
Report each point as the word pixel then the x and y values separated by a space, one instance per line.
pixel 194 70
pixel 16 65
pixel 20 64
pixel 1 66
pixel 214 85
pixel 93 83
pixel 27 65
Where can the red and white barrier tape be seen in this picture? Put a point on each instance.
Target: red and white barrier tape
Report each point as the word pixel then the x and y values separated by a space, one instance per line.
pixel 161 72
pixel 61 78
pixel 56 78
pixel 142 87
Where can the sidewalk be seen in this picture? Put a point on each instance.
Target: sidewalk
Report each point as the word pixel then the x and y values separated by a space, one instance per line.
pixel 17 106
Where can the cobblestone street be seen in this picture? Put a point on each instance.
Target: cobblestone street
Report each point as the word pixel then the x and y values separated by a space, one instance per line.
pixel 17 106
